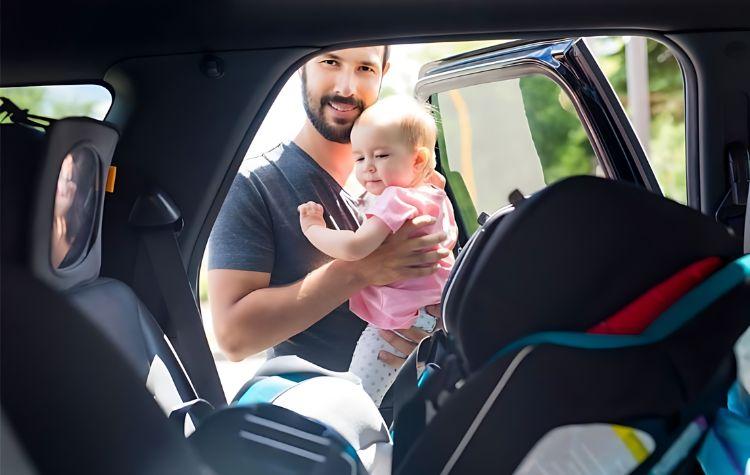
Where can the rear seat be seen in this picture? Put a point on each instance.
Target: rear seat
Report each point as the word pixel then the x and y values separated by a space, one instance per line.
pixel 522 296
pixel 107 303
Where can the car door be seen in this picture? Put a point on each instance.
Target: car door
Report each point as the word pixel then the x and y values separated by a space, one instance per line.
pixel 522 115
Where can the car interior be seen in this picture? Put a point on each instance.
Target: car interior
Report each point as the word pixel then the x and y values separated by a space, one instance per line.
pixel 590 317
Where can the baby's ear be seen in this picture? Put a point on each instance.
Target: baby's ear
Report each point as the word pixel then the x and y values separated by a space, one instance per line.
pixel 421 158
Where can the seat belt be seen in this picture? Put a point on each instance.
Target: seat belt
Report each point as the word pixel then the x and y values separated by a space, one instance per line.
pixel 156 216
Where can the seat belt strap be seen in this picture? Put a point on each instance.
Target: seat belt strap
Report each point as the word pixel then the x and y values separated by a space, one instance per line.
pixel 183 314
pixel 158 219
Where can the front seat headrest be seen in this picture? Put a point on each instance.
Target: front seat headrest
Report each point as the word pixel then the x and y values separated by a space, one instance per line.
pixel 69 193
pixel 569 257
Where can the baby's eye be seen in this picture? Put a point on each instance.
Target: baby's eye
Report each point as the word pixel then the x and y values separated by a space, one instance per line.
pixel 358 159
pixel 382 155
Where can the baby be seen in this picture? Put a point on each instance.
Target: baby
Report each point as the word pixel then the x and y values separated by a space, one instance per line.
pixel 393 144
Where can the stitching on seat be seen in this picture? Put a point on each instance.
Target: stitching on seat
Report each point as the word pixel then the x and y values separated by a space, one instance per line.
pixel 486 408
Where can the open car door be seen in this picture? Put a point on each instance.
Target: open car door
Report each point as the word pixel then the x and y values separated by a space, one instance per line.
pixel 522 115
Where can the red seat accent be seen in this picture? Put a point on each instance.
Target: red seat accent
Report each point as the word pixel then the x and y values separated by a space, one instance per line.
pixel 640 313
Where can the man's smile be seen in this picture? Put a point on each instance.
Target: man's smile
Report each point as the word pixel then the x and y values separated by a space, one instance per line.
pixel 342 107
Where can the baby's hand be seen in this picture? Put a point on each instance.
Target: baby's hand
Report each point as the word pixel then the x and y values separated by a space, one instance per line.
pixel 310 214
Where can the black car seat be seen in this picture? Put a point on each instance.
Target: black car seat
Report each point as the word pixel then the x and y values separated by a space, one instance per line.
pixel 69 400
pixel 110 304
pixel 75 405
pixel 522 294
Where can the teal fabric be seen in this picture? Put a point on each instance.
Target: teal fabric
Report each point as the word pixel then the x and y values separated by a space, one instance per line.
pixel 738 400
pixel 268 389
pixel 726 449
pixel 691 304
pixel 265 391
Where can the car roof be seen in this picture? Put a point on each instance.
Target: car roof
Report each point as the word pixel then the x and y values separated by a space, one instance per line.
pixel 67 41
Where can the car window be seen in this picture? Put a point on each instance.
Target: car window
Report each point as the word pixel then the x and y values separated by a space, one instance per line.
pixel 649 82
pixel 58 101
pixel 520 133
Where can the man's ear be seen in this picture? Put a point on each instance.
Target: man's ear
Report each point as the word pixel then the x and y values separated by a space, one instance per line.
pixel 386 67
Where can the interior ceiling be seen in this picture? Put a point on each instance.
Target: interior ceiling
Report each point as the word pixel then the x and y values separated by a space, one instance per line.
pixel 82 38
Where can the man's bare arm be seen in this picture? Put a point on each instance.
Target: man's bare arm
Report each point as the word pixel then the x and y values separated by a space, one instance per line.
pixel 249 316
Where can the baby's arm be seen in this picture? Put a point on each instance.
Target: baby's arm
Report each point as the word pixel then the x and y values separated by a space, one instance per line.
pixel 345 245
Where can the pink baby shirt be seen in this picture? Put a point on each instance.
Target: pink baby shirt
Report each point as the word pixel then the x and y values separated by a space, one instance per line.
pixel 396 305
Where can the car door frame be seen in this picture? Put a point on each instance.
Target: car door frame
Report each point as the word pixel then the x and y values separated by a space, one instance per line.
pixel 570 64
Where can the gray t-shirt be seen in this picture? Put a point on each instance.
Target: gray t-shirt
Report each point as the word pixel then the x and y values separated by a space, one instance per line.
pixel 258 230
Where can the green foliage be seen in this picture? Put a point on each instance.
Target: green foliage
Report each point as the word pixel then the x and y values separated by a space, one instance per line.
pixel 667 101
pixel 560 139
pixel 60 101
pixel 562 143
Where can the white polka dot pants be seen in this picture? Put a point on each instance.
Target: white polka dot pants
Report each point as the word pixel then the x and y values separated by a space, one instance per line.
pixel 376 376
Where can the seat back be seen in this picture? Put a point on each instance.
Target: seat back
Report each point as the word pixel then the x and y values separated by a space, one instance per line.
pixel 38 168
pixel 565 260
pixel 568 257
pixel 75 404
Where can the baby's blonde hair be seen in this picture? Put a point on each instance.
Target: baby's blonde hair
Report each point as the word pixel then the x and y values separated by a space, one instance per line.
pixel 413 118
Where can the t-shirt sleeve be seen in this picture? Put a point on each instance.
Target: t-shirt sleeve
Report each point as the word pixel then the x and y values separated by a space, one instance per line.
pixel 393 208
pixel 242 237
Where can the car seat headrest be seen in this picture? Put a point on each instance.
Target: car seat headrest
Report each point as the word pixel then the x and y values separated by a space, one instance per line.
pixel 569 257
pixel 66 237
pixel 56 192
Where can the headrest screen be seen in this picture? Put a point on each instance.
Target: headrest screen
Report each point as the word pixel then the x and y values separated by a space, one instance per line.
pixel 75 209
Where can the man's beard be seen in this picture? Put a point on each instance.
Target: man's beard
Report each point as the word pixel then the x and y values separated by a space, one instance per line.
pixel 334 133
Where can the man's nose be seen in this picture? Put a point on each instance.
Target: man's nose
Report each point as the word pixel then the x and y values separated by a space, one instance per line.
pixel 345 84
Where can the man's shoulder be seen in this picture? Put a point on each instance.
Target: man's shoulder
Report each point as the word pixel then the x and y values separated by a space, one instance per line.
pixel 262 164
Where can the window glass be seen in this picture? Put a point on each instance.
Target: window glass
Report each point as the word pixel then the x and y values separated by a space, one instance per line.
pixel 521 133
pixel 74 213
pixel 648 81
pixel 55 102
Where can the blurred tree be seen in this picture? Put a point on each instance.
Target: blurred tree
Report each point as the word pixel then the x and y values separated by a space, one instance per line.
pixel 667 100
pixel 560 139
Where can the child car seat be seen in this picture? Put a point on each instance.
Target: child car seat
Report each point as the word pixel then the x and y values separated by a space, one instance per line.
pixel 526 288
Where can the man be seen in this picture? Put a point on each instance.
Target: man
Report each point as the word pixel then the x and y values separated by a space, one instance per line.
pixel 268 286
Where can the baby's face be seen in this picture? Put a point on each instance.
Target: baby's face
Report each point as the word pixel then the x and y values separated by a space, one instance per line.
pixel 382 158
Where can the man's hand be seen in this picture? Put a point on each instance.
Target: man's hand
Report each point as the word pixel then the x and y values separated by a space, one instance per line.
pixel 402 256
pixel 310 214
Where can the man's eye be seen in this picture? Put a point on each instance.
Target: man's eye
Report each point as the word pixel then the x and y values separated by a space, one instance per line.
pixel 367 69
pixel 330 62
